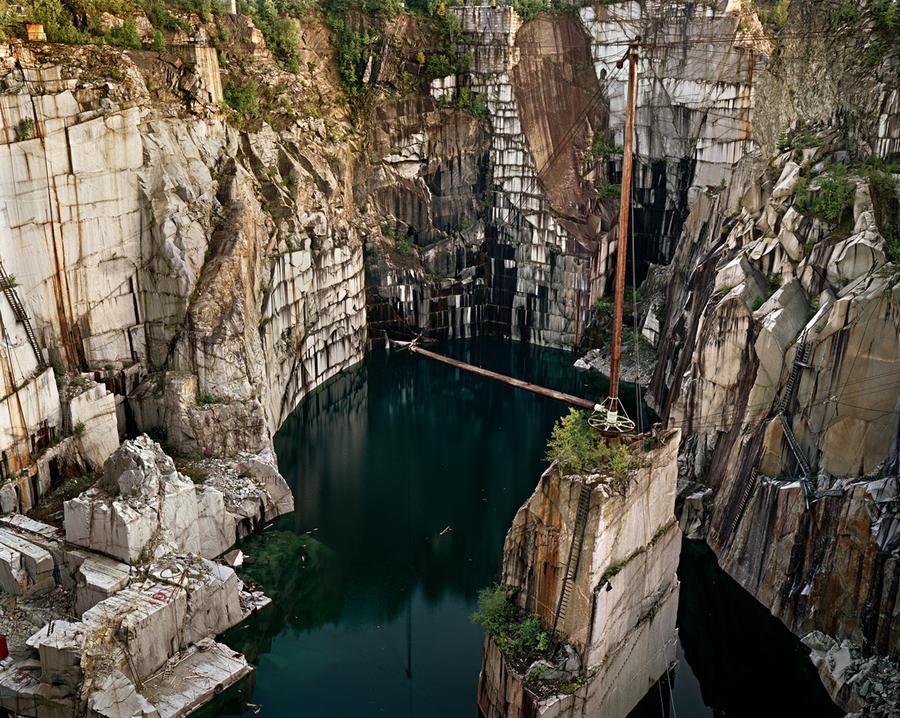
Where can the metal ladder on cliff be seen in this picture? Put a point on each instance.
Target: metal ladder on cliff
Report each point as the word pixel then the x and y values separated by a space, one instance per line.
pixel 574 559
pixel 12 296
pixel 800 359
pixel 745 499
pixel 802 461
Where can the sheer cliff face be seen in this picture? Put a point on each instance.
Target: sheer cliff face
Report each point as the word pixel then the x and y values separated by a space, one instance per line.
pixel 695 102
pixel 619 616
pixel 540 237
pixel 224 263
pixel 781 344
pixel 835 72
pixel 505 236
pixel 427 179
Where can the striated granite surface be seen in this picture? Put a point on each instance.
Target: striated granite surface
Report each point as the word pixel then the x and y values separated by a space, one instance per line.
pixel 619 621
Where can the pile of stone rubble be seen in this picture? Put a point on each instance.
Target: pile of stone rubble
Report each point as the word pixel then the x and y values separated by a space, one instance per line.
pixel 868 685
pixel 116 615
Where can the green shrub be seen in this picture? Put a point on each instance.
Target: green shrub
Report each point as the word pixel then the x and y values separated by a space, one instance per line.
pixel 125 36
pixel 834 197
pixel 887 16
pixel 874 53
pixel 162 19
pixel 472 103
pixel 884 200
pixel 515 632
pixel 801 139
pixel 530 9
pixel 578 448
pixel 57 20
pixel 242 98
pixel 842 13
pixel 404 244
pixel 495 614
pixel 532 636
pixel 602 149
pixel 775 17
pixel 607 189
pixel 159 41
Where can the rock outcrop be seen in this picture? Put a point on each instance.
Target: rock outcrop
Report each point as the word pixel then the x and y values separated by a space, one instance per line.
pixel 778 362
pixel 229 278
pixel 144 508
pixel 619 617
pixel 148 604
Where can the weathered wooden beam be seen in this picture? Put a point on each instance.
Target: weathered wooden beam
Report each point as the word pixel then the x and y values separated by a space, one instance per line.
pixel 518 383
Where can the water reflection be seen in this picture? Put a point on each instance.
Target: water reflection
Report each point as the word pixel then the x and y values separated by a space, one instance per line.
pixel 407 474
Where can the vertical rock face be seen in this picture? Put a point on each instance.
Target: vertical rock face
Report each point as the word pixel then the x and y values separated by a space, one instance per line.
pixel 429 182
pixel 498 254
pixel 781 338
pixel 826 68
pixel 542 239
pixel 623 600
pixel 539 273
pixel 695 101
pixel 221 263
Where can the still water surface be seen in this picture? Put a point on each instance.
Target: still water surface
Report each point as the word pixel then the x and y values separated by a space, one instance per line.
pixel 406 475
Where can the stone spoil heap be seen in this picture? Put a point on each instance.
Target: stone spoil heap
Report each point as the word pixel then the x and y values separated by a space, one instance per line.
pixel 138 602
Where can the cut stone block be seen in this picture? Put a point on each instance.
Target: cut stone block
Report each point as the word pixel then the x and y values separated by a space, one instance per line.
pixel 201 673
pixel 59 646
pixel 116 697
pixel 25 568
pixel 96 578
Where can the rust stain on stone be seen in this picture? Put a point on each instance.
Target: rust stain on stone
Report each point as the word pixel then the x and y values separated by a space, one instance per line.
pixel 555 85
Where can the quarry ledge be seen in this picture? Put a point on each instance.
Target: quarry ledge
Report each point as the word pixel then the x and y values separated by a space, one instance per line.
pixel 117 613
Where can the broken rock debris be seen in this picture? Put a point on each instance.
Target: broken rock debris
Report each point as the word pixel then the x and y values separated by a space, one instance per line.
pixel 116 616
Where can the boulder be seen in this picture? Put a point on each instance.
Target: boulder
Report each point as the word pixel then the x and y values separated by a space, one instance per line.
pixel 787 182
pixel 143 507
pixel 25 568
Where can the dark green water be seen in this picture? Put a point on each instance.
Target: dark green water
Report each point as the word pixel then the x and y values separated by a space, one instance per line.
pixel 406 475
